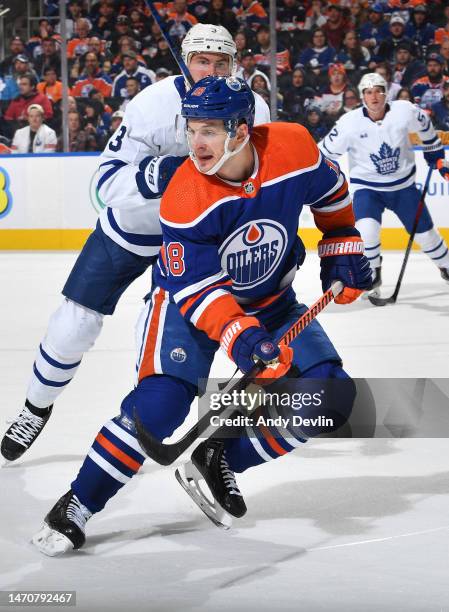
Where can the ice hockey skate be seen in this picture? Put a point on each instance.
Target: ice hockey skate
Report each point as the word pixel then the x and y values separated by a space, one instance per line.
pixel 63 528
pixel 220 499
pixel 23 431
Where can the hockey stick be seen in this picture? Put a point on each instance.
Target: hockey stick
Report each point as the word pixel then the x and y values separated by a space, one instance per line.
pixel 378 301
pixel 174 51
pixel 165 454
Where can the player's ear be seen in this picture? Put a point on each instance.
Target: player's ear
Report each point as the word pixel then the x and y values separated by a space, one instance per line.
pixel 242 132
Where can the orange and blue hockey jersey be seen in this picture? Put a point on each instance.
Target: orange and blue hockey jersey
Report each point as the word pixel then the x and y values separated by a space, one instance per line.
pixel 232 248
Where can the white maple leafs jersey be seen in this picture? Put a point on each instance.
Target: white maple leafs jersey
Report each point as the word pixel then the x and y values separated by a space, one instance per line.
pixel 380 154
pixel 149 127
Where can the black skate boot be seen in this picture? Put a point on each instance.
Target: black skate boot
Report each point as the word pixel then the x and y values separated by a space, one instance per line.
pixel 224 499
pixel 64 527
pixel 445 274
pixel 24 431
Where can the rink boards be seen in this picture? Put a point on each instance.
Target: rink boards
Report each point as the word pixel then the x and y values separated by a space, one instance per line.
pixel 50 201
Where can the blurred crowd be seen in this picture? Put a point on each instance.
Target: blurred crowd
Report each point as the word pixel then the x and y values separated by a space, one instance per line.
pixel 115 50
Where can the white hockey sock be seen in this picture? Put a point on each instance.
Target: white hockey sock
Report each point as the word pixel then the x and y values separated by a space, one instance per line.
pixel 370 231
pixel 433 245
pixel 72 330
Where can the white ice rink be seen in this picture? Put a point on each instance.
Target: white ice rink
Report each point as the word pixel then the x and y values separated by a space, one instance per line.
pixel 339 525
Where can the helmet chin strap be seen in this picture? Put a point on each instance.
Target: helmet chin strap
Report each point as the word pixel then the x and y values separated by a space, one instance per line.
pixel 226 155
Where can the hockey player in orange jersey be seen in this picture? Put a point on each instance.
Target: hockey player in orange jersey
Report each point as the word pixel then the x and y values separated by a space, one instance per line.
pixel 231 250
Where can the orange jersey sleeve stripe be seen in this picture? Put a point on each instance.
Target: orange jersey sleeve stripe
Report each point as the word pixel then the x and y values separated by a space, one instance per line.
pixel 185 307
pixel 117 453
pixel 272 441
pixel 218 314
pixel 333 220
pixel 147 364
pixel 343 189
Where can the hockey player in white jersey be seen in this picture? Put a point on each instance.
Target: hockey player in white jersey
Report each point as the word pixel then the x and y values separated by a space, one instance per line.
pixel 382 169
pixel 135 168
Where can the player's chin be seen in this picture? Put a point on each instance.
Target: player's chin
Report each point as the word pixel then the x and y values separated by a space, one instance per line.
pixel 205 163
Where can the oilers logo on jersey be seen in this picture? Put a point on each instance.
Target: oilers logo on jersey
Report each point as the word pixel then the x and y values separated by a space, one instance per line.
pixel 387 160
pixel 250 255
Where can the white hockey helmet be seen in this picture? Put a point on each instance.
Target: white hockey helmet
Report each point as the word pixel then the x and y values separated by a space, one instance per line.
pixel 368 81
pixel 208 38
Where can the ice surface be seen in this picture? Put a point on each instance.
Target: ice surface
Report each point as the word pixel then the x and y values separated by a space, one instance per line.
pixel 342 525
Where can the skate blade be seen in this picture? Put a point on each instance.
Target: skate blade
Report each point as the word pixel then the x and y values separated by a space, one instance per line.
pixel 50 542
pixel 188 477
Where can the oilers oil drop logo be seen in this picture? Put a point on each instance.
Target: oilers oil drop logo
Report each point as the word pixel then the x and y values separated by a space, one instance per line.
pixel 251 253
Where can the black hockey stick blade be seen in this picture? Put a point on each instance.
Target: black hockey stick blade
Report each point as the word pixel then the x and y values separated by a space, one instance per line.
pixel 378 301
pixel 166 454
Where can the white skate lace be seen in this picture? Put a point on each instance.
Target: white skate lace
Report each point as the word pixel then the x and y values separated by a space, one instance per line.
pixel 229 477
pixel 25 428
pixel 77 513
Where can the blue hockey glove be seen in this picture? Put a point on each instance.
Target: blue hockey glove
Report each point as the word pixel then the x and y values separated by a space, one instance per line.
pixel 443 168
pixel 155 173
pixel 246 341
pixel 342 258
pixel 432 154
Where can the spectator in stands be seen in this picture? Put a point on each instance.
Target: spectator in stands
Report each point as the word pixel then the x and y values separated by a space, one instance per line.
pixel 18 108
pixel 248 70
pixel 359 14
pixel 419 29
pixel 34 44
pixel 50 86
pixel 121 29
pixel 405 94
pixel 21 67
pixel 79 140
pixel 219 14
pixel 116 120
pixel 93 77
pixel 103 24
pixel 79 44
pixel 36 137
pixel 260 82
pixel 352 54
pixel 386 72
pixel 163 58
pixel 96 122
pixel 5 148
pixel 50 57
pixel 428 90
pixel 251 15
pixel 8 88
pixel 132 89
pixel 387 48
pixel 351 99
pixel 315 17
pixel 331 95
pixel 336 26
pixel 139 24
pixel 440 110
pixel 242 44
pixel 291 16
pixel 125 44
pixel 72 104
pixel 131 69
pixel 162 73
pixel 16 47
pixel 297 95
pixel 74 11
pixel 376 30
pixel 262 52
pixel 406 69
pixel 179 20
pixel 318 51
pixel 442 33
pixel 443 50
pixel 315 122
pixel 97 45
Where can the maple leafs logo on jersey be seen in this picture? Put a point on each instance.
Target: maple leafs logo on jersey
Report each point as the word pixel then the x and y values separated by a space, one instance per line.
pixel 387 161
